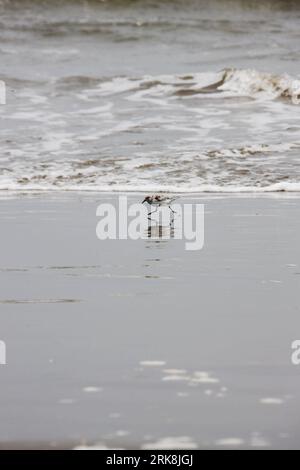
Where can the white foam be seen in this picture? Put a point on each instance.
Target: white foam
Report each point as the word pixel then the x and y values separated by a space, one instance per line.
pixel 175 378
pixel 99 446
pixel 204 380
pixel 175 371
pixel 261 85
pixel 203 377
pixel 174 189
pixel 230 82
pixel 230 442
pixel 192 379
pixel 170 443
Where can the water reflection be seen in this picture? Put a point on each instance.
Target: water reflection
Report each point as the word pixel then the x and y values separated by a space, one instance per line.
pixel 158 232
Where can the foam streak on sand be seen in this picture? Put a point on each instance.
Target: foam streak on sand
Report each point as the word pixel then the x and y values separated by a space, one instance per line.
pixel 206 188
pixel 169 443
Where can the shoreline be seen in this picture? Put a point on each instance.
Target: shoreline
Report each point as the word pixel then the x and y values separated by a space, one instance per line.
pixel 208 195
pixel 237 192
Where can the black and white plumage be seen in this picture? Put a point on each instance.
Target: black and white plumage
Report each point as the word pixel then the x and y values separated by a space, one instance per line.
pixel 158 200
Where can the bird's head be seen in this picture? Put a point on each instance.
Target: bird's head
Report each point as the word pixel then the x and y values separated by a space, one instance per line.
pixel 147 199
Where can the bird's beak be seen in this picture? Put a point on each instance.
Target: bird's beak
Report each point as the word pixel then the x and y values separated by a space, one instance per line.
pixel 144 200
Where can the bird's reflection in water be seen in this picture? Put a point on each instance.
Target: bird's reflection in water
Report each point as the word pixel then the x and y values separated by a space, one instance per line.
pixel 158 232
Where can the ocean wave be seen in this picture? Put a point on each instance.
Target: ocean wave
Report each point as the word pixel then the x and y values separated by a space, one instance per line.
pixel 261 85
pixel 232 131
pixel 229 83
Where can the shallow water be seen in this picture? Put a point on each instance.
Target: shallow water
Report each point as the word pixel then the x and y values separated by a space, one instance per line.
pixel 178 96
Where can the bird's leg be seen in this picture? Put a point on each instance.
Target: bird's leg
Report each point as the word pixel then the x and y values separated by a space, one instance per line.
pixel 153 212
pixel 173 212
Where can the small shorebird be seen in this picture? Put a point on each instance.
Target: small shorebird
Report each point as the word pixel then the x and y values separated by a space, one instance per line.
pixel 158 200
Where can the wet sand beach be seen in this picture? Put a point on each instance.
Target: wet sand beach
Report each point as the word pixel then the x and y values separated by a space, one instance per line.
pixel 142 344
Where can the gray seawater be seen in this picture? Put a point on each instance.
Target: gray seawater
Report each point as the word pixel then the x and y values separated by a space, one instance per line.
pixel 178 96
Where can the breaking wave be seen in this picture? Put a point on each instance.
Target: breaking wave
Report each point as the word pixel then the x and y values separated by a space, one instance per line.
pixel 227 83
pixel 233 131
